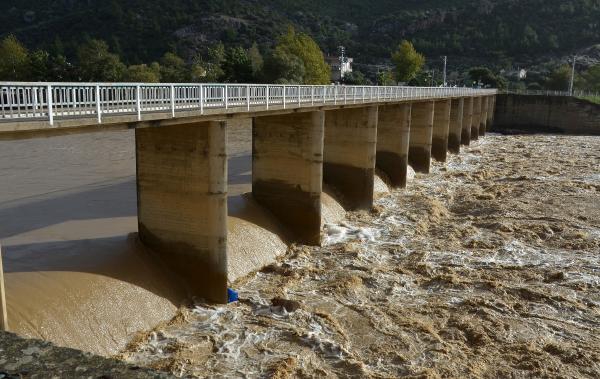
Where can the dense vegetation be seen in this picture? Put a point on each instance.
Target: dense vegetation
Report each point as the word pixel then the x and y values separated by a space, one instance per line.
pixel 296 58
pixel 500 34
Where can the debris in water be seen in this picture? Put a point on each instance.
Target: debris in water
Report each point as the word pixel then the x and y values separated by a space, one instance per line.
pixel 232 296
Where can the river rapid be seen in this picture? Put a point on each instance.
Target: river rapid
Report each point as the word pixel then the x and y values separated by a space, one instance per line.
pixel 487 267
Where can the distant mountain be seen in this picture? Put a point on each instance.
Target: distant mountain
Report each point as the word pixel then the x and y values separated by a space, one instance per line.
pixel 496 33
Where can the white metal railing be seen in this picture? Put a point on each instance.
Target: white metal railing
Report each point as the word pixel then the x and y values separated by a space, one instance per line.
pixel 553 93
pixel 50 101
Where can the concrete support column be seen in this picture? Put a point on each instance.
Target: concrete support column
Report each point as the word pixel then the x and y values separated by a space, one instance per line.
pixel 393 133
pixel 456 120
pixel 349 154
pixel 465 138
pixel 476 118
pixel 484 115
pixel 491 110
pixel 421 135
pixel 441 129
pixel 287 170
pixel 182 202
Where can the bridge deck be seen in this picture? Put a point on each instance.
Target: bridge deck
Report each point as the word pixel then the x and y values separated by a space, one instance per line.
pixel 48 106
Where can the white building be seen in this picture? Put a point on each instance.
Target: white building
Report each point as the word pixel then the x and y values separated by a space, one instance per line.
pixel 340 67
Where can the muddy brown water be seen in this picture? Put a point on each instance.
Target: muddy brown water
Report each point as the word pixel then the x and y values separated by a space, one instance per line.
pixel 76 274
pixel 487 267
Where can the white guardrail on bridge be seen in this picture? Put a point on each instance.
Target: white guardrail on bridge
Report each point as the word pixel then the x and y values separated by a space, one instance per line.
pixel 49 101
pixel 553 93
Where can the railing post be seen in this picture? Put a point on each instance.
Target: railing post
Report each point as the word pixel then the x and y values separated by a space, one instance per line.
pixel 248 97
pixel 299 105
pixel 267 97
pixel 35 101
pixel 335 94
pixel 74 99
pixel 312 95
pixel 138 103
pixel 98 105
pixel 226 96
pixel 49 98
pixel 172 101
pixel 284 96
pixel 345 95
pixel 201 99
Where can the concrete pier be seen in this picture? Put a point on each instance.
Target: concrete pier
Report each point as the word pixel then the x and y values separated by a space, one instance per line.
pixel 182 202
pixel 465 138
pixel 484 115
pixel 287 170
pixel 393 133
pixel 441 129
pixel 3 305
pixel 349 154
pixel 455 129
pixel 421 135
pixel 476 118
pixel 491 111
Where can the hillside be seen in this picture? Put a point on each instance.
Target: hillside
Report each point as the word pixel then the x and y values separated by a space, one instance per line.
pixel 496 33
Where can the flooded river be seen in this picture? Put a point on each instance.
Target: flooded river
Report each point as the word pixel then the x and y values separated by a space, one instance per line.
pixel 487 267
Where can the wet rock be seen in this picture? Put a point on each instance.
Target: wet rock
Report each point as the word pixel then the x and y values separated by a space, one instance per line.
pixel 288 305
pixel 33 358
pixel 284 369
pixel 555 276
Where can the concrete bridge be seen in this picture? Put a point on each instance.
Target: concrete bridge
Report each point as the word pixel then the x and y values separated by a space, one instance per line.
pixel 302 136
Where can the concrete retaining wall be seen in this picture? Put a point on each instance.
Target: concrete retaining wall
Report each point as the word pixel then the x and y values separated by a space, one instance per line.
pixel 551 114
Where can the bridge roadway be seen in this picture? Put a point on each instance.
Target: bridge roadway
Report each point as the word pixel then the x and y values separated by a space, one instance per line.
pixel 302 136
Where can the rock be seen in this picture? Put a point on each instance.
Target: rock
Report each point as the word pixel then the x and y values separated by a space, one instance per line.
pixel 23 357
pixel 556 276
pixel 288 305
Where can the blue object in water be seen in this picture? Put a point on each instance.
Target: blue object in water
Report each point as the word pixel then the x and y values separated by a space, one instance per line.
pixel 232 296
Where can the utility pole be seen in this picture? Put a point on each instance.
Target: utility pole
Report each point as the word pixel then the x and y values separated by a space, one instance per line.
pixel 572 76
pixel 342 59
pixel 445 66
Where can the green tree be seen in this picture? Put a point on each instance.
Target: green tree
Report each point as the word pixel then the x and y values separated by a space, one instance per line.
pixel 256 60
pixel 98 64
pixel 530 37
pixel 385 78
pixel 39 66
pixel 237 67
pixel 173 69
pixel 302 46
pixel 282 67
pixel 143 73
pixel 407 61
pixel 209 69
pixel 356 78
pixel 422 79
pixel 591 78
pixel 61 69
pixel 485 77
pixel 14 61
pixel 559 79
